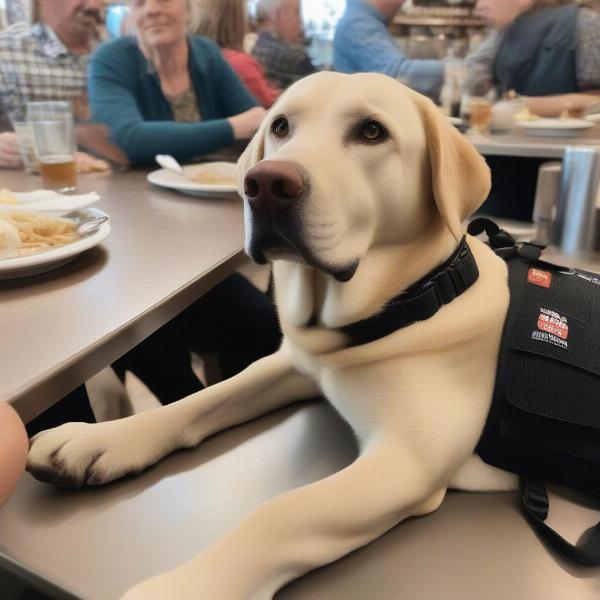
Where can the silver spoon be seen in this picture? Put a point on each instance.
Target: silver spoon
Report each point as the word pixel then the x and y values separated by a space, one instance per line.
pixel 88 220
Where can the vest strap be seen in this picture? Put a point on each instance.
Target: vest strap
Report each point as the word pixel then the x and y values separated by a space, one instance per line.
pixel 421 300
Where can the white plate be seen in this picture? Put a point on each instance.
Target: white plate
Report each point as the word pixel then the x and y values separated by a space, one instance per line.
pixel 593 118
pixel 555 127
pixel 169 179
pixel 33 264
pixel 50 202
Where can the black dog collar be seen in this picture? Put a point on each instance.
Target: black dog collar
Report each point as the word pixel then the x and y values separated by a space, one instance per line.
pixel 421 300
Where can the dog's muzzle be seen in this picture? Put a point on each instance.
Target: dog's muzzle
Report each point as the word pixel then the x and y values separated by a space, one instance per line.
pixel 272 186
pixel 275 191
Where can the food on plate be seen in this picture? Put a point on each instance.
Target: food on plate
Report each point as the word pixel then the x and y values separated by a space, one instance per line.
pixel 212 178
pixel 525 115
pixel 10 241
pixel 35 233
pixel 6 197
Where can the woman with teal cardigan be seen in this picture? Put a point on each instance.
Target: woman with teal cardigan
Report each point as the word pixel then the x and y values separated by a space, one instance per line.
pixel 162 92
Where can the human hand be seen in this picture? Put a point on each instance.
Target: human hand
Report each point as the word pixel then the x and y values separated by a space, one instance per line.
pixel 96 137
pixel 245 124
pixel 86 163
pixel 13 450
pixel 9 151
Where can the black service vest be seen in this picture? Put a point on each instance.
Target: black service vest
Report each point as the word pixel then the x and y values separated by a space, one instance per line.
pixel 544 422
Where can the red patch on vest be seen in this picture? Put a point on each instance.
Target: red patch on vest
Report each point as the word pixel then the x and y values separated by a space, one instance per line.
pixel 539 278
pixel 554 326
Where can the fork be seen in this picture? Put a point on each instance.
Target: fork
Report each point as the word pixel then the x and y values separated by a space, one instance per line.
pixel 88 219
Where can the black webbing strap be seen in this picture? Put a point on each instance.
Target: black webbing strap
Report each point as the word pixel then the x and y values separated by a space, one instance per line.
pixel 535 502
pixel 421 300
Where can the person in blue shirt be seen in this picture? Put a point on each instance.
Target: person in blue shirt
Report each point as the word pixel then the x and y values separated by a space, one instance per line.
pixel 547 51
pixel 162 92
pixel 363 43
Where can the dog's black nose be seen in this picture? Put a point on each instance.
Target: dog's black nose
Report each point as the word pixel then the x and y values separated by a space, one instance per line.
pixel 273 185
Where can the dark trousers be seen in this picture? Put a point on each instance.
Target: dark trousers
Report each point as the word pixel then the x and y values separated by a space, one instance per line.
pixel 514 180
pixel 234 320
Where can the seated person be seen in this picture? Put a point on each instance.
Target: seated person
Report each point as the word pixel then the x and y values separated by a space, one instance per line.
pixel 225 22
pixel 278 45
pixel 139 91
pixel 363 43
pixel 162 92
pixel 548 52
pixel 48 61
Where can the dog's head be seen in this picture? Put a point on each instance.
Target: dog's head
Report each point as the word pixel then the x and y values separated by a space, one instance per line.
pixel 343 163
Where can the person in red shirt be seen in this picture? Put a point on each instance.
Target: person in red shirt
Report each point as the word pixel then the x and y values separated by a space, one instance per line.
pixel 225 22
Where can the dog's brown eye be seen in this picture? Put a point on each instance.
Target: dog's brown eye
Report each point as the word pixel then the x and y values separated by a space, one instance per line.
pixel 372 130
pixel 280 127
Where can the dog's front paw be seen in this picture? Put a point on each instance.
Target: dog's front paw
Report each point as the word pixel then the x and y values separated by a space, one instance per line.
pixel 75 454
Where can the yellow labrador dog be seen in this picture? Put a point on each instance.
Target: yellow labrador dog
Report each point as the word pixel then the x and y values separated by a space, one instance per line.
pixel 355 188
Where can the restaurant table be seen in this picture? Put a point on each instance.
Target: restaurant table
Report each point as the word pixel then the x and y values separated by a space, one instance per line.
pixel 519 144
pixel 164 251
pixel 95 543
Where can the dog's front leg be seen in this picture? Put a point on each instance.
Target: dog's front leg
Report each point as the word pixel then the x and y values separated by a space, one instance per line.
pixel 75 454
pixel 303 529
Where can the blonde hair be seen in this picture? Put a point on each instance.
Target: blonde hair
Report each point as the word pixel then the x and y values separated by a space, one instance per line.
pixel 223 21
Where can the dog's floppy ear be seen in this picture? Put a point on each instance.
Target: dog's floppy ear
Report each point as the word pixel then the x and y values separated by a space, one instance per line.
pixel 460 176
pixel 253 152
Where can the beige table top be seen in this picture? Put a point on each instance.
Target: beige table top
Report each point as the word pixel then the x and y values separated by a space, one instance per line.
pixel 95 543
pixel 518 144
pixel 164 251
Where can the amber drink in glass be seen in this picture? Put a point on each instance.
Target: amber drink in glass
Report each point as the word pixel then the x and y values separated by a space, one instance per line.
pixel 480 115
pixel 54 141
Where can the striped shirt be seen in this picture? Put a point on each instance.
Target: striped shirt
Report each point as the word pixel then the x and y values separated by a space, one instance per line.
pixel 34 66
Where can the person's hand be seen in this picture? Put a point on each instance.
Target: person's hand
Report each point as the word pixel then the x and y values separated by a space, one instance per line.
pixel 86 163
pixel 9 151
pixel 96 137
pixel 13 450
pixel 245 124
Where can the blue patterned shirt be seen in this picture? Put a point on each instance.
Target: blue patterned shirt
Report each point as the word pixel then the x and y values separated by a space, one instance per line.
pixel 363 43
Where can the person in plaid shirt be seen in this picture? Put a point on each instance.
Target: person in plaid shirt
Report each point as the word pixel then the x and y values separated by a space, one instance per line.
pixel 46 61
pixel 278 44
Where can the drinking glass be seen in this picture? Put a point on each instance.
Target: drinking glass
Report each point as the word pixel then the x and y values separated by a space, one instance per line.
pixel 478 93
pixel 24 134
pixel 54 141
pixel 480 114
